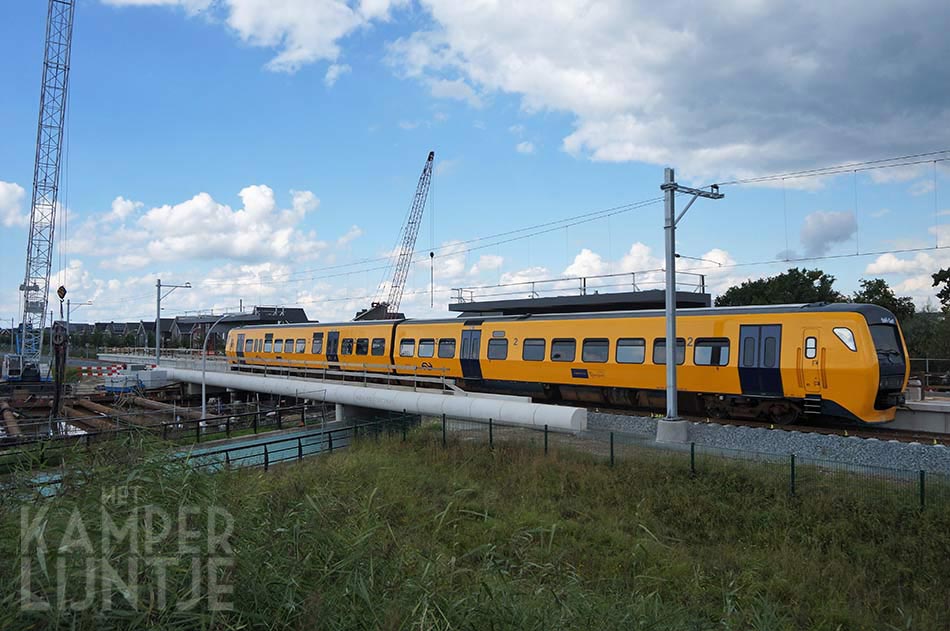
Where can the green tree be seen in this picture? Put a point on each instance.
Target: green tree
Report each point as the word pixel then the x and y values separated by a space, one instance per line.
pixel 794 286
pixel 943 278
pixel 877 292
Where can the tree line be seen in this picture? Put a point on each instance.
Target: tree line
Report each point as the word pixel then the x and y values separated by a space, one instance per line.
pixel 927 331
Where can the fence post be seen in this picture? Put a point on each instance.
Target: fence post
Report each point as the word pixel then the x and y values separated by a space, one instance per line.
pixel 227 459
pixel 545 440
pixel 266 458
pixel 443 430
pixel 303 415
pixel 491 433
pixel 692 458
pixel 922 493
pixel 227 426
pixel 611 449
pixel 299 449
pixel 278 417
pixel 164 431
pixel 791 479
pixel 257 415
pixel 330 437
pixel 197 431
pixel 404 424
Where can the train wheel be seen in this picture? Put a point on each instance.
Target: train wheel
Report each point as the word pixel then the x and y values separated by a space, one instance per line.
pixel 783 414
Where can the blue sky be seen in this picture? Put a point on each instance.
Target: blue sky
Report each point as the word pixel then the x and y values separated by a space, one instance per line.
pixel 236 144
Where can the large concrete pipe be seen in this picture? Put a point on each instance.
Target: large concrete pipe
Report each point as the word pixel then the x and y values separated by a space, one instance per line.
pixel 467 407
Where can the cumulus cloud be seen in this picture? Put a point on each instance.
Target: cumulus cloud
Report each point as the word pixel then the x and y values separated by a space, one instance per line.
pixel 123 208
pixel 587 263
pixel 486 263
pixel 301 31
pixel 777 87
pixel 822 229
pixel 353 233
pixel 890 264
pixel 525 147
pixel 12 213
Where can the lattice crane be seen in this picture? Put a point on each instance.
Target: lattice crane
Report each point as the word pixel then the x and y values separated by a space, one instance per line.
pixel 410 230
pixel 46 178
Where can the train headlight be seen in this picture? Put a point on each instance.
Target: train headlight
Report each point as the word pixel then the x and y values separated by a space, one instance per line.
pixel 846 336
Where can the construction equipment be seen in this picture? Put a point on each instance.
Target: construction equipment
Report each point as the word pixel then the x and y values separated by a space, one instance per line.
pixel 389 310
pixel 25 364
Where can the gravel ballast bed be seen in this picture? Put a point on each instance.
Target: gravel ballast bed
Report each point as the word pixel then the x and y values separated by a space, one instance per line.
pixel 848 450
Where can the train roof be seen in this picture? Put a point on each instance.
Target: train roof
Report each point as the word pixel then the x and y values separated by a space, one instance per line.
pixel 872 313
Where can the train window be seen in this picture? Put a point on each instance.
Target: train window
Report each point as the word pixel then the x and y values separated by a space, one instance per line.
pixel 379 346
pixel 748 352
pixel 563 350
pixel 846 336
pixel 631 350
pixel 257 345
pixel 811 347
pixel 426 348
pixel 248 346
pixel 447 348
pixel 268 343
pixel 317 347
pixel 279 346
pixel 597 351
pixel 659 351
pixel 301 346
pixel 288 346
pixel 498 348
pixel 346 346
pixel 532 350
pixel 768 353
pixel 407 348
pixel 711 352
pixel 362 346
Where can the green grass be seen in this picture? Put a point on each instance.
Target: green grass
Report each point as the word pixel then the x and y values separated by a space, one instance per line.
pixel 410 535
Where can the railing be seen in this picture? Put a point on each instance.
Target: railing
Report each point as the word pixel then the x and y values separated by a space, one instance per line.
pixel 177 430
pixel 800 476
pixel 581 285
pixel 355 373
pixel 934 373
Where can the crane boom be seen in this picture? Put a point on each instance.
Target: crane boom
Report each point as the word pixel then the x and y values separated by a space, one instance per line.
pixel 46 178
pixel 409 233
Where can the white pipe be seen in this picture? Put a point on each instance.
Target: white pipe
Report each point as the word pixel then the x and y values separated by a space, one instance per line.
pixel 471 407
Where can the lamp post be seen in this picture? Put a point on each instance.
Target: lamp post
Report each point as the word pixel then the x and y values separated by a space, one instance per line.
pixel 204 361
pixel 158 313
pixel 672 428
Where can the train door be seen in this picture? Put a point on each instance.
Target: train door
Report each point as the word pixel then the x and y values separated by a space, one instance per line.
pixel 471 345
pixel 811 361
pixel 333 345
pixel 240 348
pixel 759 359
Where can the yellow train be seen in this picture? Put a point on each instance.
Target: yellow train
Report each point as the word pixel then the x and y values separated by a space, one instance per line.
pixel 773 362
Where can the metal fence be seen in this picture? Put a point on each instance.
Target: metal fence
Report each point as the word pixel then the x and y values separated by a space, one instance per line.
pixel 933 373
pixel 800 476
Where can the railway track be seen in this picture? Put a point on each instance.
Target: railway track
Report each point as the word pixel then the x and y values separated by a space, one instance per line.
pixel 876 432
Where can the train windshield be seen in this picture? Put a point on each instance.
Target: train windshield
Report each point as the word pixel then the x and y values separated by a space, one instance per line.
pixel 887 342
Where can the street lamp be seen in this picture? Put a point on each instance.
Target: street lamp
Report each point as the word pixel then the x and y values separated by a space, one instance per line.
pixel 158 313
pixel 697 258
pixel 204 361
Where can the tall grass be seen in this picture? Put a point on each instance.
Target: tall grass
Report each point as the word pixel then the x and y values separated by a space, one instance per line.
pixel 411 535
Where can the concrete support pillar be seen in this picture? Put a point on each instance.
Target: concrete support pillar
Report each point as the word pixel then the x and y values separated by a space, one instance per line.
pixel 672 431
pixel 352 414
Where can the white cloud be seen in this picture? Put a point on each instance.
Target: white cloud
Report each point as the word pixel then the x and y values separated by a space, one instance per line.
pixel 587 263
pixel 334 72
pixel 517 130
pixel 302 31
pixel 880 213
pixel 486 263
pixel 123 208
pixel 890 264
pixel 407 125
pixel 922 187
pixel 777 87
pixel 822 229
pixel 525 147
pixel 454 89
pixel 353 233
pixel 11 205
